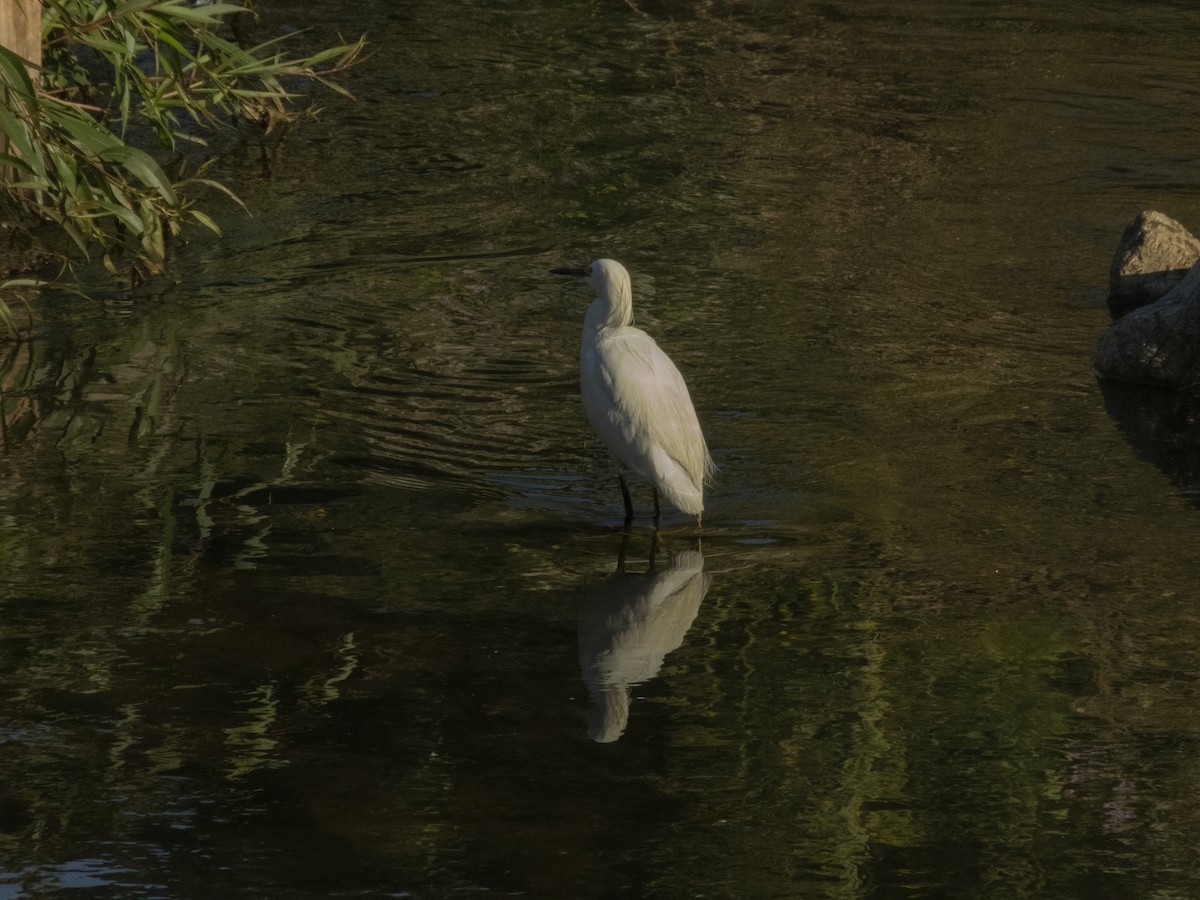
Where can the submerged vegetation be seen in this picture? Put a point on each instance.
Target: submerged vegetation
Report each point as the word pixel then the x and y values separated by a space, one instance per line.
pixel 117 80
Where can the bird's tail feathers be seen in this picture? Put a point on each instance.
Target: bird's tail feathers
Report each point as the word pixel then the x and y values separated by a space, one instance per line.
pixel 681 488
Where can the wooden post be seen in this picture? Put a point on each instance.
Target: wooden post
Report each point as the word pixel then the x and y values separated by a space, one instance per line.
pixel 21 29
pixel 20 32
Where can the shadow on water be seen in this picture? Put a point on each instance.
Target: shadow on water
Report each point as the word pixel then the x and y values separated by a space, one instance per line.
pixel 629 624
pixel 1163 427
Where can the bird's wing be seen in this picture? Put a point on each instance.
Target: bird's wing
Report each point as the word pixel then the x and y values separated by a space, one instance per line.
pixel 651 401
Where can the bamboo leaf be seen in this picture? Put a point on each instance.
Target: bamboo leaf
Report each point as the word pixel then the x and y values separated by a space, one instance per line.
pixel 181 53
pixel 126 99
pixel 110 48
pixel 14 71
pixel 6 310
pixel 144 168
pixel 64 165
pixel 206 222
pixel 126 216
pixel 7 160
pixel 24 140
pixel 208 182
pixel 90 136
pixel 7 320
pixel 212 14
pixel 73 233
pixel 152 238
pixel 131 8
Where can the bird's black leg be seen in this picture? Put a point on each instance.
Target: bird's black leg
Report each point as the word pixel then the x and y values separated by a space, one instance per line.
pixel 628 502
pixel 657 514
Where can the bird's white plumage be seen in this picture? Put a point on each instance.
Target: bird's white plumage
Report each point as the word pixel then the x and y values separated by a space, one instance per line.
pixel 635 398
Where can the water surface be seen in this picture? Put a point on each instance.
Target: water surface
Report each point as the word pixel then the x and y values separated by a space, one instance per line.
pixel 314 583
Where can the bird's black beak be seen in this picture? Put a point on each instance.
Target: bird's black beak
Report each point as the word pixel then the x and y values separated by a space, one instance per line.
pixel 577 273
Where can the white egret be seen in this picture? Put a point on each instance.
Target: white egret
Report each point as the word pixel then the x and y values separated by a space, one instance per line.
pixel 635 398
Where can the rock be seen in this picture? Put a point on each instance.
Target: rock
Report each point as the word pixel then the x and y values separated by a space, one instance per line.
pixel 1158 344
pixel 1154 255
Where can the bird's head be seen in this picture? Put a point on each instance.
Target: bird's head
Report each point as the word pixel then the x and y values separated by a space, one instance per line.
pixel 610 280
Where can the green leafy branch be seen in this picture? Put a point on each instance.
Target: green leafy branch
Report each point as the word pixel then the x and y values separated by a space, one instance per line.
pixel 64 150
pixel 192 68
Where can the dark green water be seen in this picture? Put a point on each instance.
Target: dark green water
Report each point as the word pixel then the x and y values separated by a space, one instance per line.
pixel 308 562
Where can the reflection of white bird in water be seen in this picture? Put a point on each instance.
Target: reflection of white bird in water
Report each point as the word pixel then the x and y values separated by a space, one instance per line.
pixel 628 626
pixel 636 399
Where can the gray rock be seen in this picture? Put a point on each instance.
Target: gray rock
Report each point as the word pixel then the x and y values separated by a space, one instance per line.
pixel 1158 344
pixel 1154 255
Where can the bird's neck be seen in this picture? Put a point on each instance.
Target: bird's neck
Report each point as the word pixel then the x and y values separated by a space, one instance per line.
pixel 611 310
